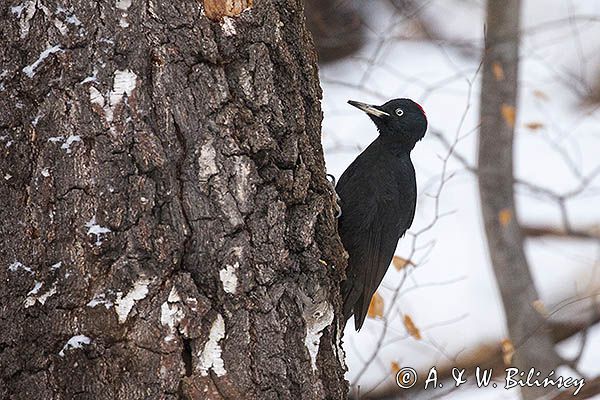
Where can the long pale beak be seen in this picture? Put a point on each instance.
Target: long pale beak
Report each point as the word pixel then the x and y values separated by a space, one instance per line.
pixel 369 109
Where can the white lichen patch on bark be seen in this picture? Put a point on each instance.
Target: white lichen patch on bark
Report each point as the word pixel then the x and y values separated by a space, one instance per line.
pixel 244 187
pixel 30 69
pixel 246 83
pixel 207 165
pixel 124 83
pixel 228 27
pixel 210 356
pixel 320 317
pixel 171 313
pixel 124 304
pixel 76 342
pixel 95 229
pixel 229 278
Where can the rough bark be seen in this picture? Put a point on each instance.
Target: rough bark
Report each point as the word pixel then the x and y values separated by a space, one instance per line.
pixel 164 206
pixel 526 326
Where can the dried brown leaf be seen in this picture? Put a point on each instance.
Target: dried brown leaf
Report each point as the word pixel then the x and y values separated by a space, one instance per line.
pixel 534 126
pixel 540 95
pixel 217 9
pixel 411 328
pixel 399 262
pixel 375 306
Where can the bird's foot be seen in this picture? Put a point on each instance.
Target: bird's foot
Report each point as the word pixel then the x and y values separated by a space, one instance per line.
pixel 338 209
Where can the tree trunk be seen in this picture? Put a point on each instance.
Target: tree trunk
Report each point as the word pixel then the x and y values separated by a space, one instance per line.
pixel 167 228
pixel 336 27
pixel 526 326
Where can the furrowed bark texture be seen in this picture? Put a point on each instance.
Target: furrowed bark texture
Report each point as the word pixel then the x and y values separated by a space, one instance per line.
pixel 166 230
pixel 526 326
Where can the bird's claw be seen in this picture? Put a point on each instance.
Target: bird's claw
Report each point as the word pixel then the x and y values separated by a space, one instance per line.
pixel 331 179
pixel 338 209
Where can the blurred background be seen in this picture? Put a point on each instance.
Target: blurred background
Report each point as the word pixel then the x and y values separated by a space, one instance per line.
pixel 439 304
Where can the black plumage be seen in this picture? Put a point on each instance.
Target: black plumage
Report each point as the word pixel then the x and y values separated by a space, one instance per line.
pixel 378 195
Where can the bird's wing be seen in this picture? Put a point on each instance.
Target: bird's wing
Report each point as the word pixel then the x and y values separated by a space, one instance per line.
pixel 373 219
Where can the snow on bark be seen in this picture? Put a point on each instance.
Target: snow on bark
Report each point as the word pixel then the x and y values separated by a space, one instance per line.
pixel 171 313
pixel 95 229
pixel 124 83
pixel 76 342
pixel 66 141
pixel 228 27
pixel 123 305
pixel 210 356
pixel 36 288
pixel 17 265
pixel 30 69
pixel 69 18
pixel 24 12
pixel 123 5
pixel 100 299
pixel 33 297
pixel 91 78
pixel 320 317
pixel 229 278
pixel 96 97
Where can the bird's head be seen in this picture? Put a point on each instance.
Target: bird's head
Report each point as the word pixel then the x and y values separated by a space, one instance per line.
pixel 399 119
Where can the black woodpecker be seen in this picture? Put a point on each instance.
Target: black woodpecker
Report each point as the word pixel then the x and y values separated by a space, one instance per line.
pixel 378 195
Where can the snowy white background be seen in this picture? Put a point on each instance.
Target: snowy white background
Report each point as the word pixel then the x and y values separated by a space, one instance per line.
pixel 451 294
